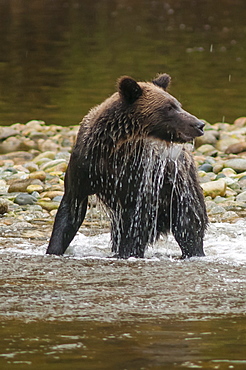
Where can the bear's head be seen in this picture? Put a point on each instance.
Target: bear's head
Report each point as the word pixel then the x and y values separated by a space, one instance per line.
pixel 157 112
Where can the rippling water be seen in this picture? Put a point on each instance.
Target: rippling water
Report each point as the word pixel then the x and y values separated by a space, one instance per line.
pixel 159 312
pixel 87 284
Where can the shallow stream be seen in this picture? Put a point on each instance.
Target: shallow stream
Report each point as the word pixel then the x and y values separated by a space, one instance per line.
pixel 86 310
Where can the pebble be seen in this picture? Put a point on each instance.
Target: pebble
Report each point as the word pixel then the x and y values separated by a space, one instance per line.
pixel 50 155
pixel 241 196
pixel 4 206
pixel 21 185
pixel 52 194
pixel 34 188
pixel 237 164
pixel 48 204
pixel 206 167
pixel 24 199
pixel 19 157
pixel 218 167
pixel 240 122
pixel 41 175
pixel 236 148
pixel 207 149
pixel 214 188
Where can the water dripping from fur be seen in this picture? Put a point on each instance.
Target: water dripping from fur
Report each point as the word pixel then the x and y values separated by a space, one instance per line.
pixel 139 172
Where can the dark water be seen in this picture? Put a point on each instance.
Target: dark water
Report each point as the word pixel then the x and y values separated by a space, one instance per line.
pixel 168 344
pixel 60 57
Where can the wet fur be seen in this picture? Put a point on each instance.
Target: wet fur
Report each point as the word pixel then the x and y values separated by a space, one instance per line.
pixel 125 154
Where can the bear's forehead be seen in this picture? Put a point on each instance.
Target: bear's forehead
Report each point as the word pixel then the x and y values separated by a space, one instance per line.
pixel 154 92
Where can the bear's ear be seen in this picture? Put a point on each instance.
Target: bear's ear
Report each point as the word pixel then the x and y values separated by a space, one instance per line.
pixel 129 89
pixel 162 80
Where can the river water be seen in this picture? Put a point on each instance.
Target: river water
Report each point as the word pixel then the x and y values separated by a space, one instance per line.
pixel 90 311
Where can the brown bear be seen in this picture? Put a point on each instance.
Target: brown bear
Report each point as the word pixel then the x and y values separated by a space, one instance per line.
pixel 129 153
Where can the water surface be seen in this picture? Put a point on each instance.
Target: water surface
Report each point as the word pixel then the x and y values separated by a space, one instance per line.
pixel 89 311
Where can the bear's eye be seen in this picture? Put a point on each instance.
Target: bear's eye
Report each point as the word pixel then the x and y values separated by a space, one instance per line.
pixel 171 107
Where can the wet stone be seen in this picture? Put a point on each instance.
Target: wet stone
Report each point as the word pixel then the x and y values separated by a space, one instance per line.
pixel 48 205
pixel 219 199
pixel 242 182
pixel 3 186
pixel 237 164
pixel 34 187
pixel 58 198
pixel 236 148
pixel 11 144
pixel 41 175
pixel 206 167
pixel 6 132
pixel 207 149
pixel 52 194
pixel 21 185
pixel 229 216
pixel 52 164
pixel 218 167
pixel 4 206
pixel 217 210
pixel 19 157
pixel 24 199
pixel 209 138
pixel 228 172
pixel 241 197
pixel 240 122
pixel 31 166
pixel 214 188
pixel 47 155
pixel 223 144
pixel 47 145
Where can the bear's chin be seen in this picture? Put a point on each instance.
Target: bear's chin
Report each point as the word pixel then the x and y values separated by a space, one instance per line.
pixel 183 138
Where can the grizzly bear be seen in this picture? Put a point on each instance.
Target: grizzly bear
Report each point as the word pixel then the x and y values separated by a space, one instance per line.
pixel 129 153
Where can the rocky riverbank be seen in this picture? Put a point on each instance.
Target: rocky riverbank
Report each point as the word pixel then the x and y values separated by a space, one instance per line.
pixel 34 157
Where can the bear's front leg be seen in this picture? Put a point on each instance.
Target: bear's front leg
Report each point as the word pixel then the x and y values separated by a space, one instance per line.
pixel 69 217
pixel 72 210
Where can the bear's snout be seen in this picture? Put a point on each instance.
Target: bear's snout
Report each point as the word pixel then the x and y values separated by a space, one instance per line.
pixel 199 125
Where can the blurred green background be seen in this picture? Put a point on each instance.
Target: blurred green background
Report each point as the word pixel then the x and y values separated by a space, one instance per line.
pixel 59 58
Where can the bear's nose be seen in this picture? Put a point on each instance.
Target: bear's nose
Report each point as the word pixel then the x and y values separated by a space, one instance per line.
pixel 200 125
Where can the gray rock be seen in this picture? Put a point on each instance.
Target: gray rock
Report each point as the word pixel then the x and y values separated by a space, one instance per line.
pixel 24 199
pixel 7 131
pixel 11 144
pixel 3 206
pixel 207 149
pixel 242 182
pixel 206 167
pixel 241 197
pixel 217 210
pixel 240 122
pixel 223 144
pixel 237 164
pixel 19 157
pixel 58 198
pixel 209 137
